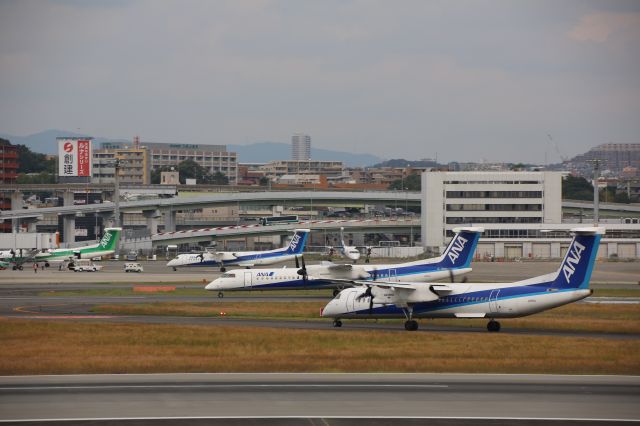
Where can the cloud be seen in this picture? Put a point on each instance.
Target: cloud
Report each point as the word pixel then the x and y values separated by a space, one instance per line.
pixel 600 27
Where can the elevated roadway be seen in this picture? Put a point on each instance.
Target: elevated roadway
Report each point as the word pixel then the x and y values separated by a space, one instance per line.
pixel 222 232
pixel 270 198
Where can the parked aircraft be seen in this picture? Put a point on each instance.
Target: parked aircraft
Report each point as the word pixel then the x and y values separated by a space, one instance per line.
pixel 243 258
pixel 568 284
pixel 15 258
pixel 454 261
pixel 105 247
pixel 350 252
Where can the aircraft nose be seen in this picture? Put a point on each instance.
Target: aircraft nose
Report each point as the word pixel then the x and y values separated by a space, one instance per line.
pixel 213 285
pixel 329 310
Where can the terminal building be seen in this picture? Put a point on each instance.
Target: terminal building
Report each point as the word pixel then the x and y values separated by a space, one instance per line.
pixel 520 211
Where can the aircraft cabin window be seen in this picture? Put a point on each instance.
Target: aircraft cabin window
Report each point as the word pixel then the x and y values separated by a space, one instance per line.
pixel 228 276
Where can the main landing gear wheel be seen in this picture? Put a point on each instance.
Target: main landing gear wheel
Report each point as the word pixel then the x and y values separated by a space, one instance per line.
pixel 223 269
pixel 175 269
pixel 337 323
pixel 220 294
pixel 411 325
pixel 493 326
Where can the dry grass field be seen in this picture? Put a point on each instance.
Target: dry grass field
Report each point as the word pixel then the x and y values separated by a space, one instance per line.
pixel 604 318
pixel 50 347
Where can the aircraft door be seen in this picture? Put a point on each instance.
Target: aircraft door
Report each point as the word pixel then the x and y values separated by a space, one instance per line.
pixel 393 276
pixel 350 301
pixel 493 301
pixel 247 279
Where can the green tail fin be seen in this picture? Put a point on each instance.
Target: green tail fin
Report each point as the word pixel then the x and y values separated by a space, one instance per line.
pixel 109 239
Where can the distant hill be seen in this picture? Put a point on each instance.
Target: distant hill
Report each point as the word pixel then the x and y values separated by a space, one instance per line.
pixel 261 152
pixel 401 162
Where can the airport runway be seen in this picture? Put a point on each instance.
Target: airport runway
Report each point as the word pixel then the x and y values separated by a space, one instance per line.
pixel 608 273
pixel 458 398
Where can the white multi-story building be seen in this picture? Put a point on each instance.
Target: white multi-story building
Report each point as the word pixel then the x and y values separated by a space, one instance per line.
pixel 214 158
pixel 300 147
pixel 514 201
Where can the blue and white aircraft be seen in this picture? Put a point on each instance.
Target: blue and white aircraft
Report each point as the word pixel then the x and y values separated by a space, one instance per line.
pixel 454 261
pixel 244 258
pixel 568 284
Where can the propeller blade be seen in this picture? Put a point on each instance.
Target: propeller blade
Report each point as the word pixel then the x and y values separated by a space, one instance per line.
pixel 297 263
pixel 451 276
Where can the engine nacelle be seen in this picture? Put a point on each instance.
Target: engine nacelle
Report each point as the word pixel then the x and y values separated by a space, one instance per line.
pixel 391 295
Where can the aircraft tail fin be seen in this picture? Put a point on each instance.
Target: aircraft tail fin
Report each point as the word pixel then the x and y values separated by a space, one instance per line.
pixel 110 239
pixel 298 241
pixel 577 265
pixel 461 248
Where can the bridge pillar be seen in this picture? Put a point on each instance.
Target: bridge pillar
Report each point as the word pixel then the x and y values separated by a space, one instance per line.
pixel 170 220
pixel 69 228
pixel 17 203
pixel 152 217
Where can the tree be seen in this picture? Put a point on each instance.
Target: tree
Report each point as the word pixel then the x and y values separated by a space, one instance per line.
pixel 32 162
pixel 36 178
pixel 410 183
pixel 577 188
pixel 217 179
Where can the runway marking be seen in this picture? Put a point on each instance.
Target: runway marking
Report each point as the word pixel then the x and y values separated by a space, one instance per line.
pixel 24 310
pixel 239 385
pixel 574 419
pixel 66 317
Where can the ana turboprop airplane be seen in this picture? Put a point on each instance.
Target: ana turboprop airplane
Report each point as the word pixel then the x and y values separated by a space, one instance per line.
pixel 243 258
pixel 106 246
pixel 454 261
pixel 568 284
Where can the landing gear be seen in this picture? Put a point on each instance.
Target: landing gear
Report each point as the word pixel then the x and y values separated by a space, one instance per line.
pixel 46 264
pixel 20 268
pixel 220 294
pixel 223 269
pixel 410 324
pixel 337 323
pixel 493 326
pixel 175 269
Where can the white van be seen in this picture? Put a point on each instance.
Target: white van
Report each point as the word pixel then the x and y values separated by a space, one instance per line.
pixel 85 265
pixel 133 267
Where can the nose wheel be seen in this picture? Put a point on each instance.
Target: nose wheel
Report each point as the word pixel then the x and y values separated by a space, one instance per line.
pixel 411 325
pixel 493 326
pixel 337 323
pixel 220 294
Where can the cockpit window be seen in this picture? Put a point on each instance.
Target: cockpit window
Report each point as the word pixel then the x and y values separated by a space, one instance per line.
pixel 228 276
pixel 337 296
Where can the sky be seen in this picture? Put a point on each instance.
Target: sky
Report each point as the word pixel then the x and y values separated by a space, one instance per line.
pixel 517 81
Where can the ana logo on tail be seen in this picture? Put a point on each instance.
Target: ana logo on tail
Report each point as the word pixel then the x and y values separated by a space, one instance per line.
pixel 104 242
pixel 456 247
pixel 573 258
pixel 294 242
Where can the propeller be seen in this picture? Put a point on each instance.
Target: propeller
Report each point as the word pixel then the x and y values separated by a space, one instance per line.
pixel 302 271
pixel 367 293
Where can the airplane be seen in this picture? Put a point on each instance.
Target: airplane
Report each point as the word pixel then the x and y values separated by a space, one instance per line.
pixel 350 252
pixel 244 258
pixel 105 247
pixel 15 258
pixel 454 261
pixel 568 284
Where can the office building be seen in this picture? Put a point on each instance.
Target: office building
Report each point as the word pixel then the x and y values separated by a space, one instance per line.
pixel 214 158
pixel 300 147
pixel 134 166
pixel 520 204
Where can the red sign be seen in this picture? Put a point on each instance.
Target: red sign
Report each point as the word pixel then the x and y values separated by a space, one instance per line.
pixel 68 147
pixel 84 158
